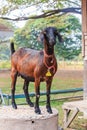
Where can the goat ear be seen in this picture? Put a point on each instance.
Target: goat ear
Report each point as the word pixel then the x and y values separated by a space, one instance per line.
pixel 41 36
pixel 59 36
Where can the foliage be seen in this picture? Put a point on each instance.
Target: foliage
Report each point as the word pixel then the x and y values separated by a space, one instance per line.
pixel 43 8
pixel 72 39
pixel 48 3
pixel 4 46
pixel 57 11
pixel 68 26
pixel 7 24
pixel 4 52
pixel 5 64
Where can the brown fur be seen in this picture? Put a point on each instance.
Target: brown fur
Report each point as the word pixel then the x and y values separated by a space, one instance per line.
pixel 32 65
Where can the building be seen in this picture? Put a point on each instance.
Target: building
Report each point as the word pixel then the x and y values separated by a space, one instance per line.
pixel 5 33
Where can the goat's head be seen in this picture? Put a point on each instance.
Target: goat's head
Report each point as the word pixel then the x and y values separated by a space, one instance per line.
pixel 49 34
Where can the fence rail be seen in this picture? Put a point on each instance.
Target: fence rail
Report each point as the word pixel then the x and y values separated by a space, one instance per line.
pixel 73 90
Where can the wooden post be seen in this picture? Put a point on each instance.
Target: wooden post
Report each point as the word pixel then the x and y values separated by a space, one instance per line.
pixel 84 43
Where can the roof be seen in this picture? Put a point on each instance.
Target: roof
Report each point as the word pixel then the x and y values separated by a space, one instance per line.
pixel 5 32
pixel 4 28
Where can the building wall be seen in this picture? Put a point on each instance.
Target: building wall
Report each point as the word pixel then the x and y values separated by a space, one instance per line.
pixel 5 35
pixel 84 45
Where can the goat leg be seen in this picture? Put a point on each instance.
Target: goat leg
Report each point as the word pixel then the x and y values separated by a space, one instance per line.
pixel 14 78
pixel 37 89
pixel 13 99
pixel 25 87
pixel 48 106
pixel 49 110
pixel 37 109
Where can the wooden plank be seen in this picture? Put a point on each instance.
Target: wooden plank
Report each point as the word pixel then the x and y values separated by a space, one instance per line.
pixel 84 16
pixel 66 113
pixel 85 51
pixel 74 107
pixel 83 45
pixel 71 118
pixel 81 105
pixel 85 78
pixel 84 25
pixel 85 37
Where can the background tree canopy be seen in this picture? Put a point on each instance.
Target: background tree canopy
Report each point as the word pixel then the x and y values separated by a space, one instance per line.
pixel 68 26
pixel 5 26
pixel 42 8
pixel 46 13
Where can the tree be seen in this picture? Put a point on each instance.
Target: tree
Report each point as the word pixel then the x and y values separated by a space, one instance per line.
pixel 4 43
pixel 51 12
pixel 4 52
pixel 69 49
pixel 44 8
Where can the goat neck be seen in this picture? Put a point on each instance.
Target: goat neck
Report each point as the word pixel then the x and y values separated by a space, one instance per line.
pixel 48 55
pixel 49 49
pixel 49 61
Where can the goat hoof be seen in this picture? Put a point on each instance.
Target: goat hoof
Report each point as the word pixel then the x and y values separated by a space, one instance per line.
pixel 14 105
pixel 49 110
pixel 31 104
pixel 37 110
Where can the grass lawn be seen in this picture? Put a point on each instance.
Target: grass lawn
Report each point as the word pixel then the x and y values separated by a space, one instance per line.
pixel 64 79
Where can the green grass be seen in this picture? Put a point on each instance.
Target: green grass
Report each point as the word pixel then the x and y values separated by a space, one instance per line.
pixel 5 64
pixel 62 80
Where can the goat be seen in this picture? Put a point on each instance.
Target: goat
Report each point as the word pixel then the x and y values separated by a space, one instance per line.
pixel 35 66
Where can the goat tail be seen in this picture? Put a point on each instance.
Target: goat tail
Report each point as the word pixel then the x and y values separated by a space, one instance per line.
pixel 12 48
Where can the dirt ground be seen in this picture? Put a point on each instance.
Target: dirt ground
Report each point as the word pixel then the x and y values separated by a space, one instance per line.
pixel 62 79
pixel 77 74
pixel 4 73
pixel 60 73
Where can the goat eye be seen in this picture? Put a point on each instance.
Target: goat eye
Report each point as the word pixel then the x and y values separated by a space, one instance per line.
pixel 56 33
pixel 45 32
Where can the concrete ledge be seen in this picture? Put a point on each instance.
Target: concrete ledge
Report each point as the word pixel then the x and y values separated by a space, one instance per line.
pixel 24 118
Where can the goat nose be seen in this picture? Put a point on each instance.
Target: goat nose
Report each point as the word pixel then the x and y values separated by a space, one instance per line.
pixel 52 42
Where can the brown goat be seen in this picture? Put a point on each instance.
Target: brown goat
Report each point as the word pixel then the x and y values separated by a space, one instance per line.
pixel 35 66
